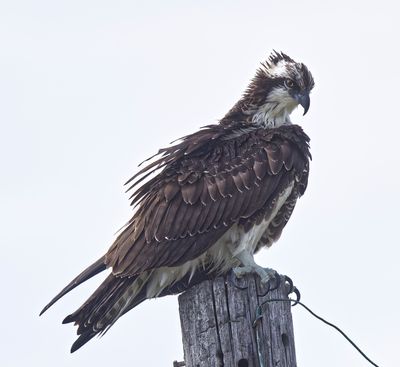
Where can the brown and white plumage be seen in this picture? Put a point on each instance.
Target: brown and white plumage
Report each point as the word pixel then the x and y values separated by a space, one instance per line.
pixel 216 197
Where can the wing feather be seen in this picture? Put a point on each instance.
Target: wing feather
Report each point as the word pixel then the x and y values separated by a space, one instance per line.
pixel 156 220
pixel 237 206
pixel 170 190
pixel 177 223
pixel 237 179
pixel 165 230
pixel 247 177
pixel 209 221
pixel 253 203
pixel 206 185
pixel 220 213
pixel 203 214
pixel 260 166
pixel 212 188
pixel 227 218
pixel 224 185
pixel 205 197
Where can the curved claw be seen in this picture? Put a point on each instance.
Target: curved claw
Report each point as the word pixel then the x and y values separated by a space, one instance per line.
pixel 268 285
pixel 298 296
pixel 277 279
pixel 290 281
pixel 293 289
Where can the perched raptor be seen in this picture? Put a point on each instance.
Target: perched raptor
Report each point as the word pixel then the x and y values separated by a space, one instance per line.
pixel 205 205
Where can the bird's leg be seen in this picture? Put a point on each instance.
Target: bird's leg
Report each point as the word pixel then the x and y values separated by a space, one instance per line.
pixel 249 266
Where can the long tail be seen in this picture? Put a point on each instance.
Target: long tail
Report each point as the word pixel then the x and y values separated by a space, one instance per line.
pixel 105 305
pixel 110 301
pixel 94 269
pixel 114 297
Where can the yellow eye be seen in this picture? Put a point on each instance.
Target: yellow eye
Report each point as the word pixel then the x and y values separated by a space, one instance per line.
pixel 289 83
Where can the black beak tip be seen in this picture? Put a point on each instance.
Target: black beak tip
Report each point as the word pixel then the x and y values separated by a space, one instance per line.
pixel 304 101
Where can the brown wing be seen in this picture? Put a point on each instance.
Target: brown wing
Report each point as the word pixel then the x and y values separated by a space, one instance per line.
pixel 213 179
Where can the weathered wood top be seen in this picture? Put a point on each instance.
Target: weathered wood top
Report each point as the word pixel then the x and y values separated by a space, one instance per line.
pixel 219 329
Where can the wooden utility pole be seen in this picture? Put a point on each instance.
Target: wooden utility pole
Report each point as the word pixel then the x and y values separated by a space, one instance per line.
pixel 228 322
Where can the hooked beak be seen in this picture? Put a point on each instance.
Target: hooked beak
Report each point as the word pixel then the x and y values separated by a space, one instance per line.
pixel 303 99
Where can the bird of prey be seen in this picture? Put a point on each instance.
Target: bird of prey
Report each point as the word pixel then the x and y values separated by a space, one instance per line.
pixel 205 205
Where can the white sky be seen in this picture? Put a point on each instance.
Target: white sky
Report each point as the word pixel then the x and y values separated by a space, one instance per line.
pixel 88 89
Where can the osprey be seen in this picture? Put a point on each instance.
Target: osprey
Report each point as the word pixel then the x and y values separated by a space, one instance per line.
pixel 214 199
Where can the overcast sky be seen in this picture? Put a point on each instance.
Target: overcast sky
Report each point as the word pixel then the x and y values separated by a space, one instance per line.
pixel 88 89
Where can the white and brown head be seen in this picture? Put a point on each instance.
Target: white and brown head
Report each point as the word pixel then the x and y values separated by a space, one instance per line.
pixel 279 86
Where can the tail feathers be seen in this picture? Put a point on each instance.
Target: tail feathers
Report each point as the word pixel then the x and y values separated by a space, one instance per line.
pixel 116 296
pixel 82 340
pixel 104 307
pixel 91 271
pixel 118 300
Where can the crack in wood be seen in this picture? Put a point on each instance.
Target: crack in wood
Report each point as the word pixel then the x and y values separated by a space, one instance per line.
pixel 217 325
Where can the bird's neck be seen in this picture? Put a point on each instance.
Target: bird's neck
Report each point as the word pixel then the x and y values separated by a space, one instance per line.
pixel 270 115
pixel 267 115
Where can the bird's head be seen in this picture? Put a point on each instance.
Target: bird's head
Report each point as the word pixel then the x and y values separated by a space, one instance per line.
pixel 279 86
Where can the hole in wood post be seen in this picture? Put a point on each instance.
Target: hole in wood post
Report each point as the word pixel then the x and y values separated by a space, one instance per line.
pixel 285 339
pixel 243 363
pixel 220 358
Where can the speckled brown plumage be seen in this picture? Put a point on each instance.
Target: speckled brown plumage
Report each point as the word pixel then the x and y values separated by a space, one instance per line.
pixel 223 177
pixel 208 182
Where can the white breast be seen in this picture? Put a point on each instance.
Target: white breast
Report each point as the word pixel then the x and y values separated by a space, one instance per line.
pixel 221 254
pixel 248 241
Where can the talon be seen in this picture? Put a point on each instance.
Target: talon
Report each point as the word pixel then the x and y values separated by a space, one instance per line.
pixel 266 291
pixel 277 279
pixel 292 289
pixel 290 281
pixel 298 296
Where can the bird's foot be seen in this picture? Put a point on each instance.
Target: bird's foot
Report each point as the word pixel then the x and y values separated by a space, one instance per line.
pixel 265 274
pixel 249 266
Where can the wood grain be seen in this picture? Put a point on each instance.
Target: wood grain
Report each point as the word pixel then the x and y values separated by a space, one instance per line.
pixel 217 321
